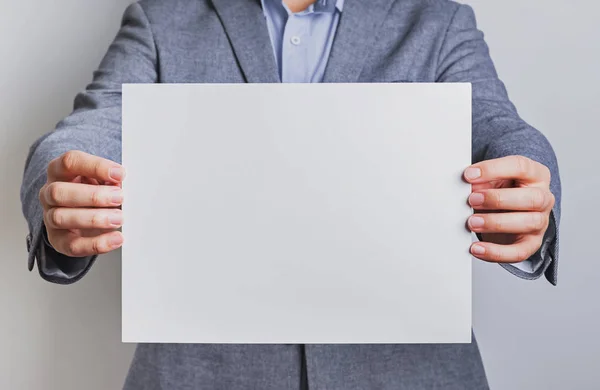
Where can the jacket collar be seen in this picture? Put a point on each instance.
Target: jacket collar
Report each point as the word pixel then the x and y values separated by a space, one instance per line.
pixel 246 28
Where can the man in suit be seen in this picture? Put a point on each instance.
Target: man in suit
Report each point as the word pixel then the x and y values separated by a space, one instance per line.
pixel 71 189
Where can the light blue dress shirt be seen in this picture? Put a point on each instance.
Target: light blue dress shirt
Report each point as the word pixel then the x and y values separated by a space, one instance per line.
pixel 302 41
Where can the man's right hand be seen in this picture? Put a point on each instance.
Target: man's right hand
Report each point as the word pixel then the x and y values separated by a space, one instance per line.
pixel 81 201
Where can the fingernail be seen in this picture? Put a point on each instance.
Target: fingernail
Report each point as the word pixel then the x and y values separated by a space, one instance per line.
pixel 476 222
pixel 116 197
pixel 472 173
pixel 115 240
pixel 116 174
pixel 478 250
pixel 476 199
pixel 115 219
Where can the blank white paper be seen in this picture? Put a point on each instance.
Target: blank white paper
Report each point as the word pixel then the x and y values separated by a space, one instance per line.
pixel 296 213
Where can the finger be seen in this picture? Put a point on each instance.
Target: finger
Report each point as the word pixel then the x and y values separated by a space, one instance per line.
pixel 518 199
pixel 65 194
pixel 73 245
pixel 508 168
pixel 78 218
pixel 76 163
pixel 517 223
pixel 514 253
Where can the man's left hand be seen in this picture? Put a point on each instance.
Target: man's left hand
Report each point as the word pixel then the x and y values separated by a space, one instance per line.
pixel 512 201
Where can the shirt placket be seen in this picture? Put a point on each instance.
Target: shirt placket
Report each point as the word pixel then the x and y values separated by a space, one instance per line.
pixel 294 47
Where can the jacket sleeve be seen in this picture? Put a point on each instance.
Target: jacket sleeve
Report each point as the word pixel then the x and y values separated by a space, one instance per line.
pixel 498 130
pixel 94 126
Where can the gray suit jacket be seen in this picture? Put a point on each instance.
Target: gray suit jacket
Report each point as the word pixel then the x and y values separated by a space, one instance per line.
pixel 226 41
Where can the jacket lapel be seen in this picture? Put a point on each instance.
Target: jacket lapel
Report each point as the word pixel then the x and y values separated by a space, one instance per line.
pixel 357 29
pixel 245 26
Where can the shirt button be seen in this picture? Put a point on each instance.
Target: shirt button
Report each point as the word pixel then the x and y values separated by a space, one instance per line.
pixel 296 40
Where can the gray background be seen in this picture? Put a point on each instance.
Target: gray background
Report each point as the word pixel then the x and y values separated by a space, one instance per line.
pixel 532 335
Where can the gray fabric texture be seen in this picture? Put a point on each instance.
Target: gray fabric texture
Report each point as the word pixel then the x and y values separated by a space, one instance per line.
pixel 226 41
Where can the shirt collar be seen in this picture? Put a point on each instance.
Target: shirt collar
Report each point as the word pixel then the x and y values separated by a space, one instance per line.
pixel 325 5
pixel 317 6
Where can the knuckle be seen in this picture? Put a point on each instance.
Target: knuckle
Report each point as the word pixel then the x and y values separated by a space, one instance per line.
pixel 532 222
pixel 537 221
pixel 495 199
pixel 69 160
pixel 497 223
pixel 55 217
pixel 96 246
pixel 523 164
pixel 97 220
pixel 56 193
pixel 73 248
pixel 51 164
pixel 495 255
pixel 538 199
pixel 95 198
pixel 98 169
